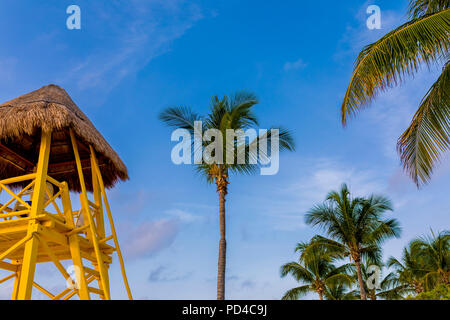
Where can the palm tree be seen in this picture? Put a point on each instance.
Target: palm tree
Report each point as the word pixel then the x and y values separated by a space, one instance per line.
pixel 410 271
pixel 434 253
pixel 316 271
pixel 230 113
pixel 424 264
pixel 355 226
pixel 424 39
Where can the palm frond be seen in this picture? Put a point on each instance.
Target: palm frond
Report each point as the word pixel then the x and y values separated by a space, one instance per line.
pixel 428 136
pixel 180 117
pixel 340 278
pixel 299 272
pixel 385 230
pixel 296 293
pixel 398 54
pixel 420 8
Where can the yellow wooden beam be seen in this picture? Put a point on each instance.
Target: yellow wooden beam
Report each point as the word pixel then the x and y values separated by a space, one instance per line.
pixel 111 222
pixel 44 291
pixel 26 205
pixel 15 247
pixel 16 285
pixel 29 186
pixel 95 290
pixel 7 278
pixel 8 266
pixel 31 247
pixel 97 198
pixel 26 177
pixel 74 245
pixel 85 207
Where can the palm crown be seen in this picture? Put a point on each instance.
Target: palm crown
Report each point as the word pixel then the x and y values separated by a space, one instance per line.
pixel 235 113
pixel 316 270
pixel 356 226
pixel 230 113
pixel 434 253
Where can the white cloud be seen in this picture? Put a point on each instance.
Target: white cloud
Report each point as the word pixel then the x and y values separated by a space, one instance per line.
pixel 285 210
pixel 131 37
pixel 165 274
pixel 151 237
pixel 295 65
pixel 329 174
pixel 182 215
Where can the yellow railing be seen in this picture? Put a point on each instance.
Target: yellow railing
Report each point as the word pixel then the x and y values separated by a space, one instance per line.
pixel 22 208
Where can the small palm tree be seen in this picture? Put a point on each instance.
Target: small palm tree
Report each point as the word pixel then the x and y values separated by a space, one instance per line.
pixel 424 39
pixel 434 254
pixel 424 264
pixel 230 113
pixel 410 271
pixel 315 269
pixel 355 226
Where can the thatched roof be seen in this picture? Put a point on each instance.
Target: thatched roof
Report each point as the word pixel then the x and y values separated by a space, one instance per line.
pixel 51 109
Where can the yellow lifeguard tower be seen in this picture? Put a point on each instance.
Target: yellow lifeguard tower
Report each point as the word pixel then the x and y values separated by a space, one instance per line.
pixel 49 147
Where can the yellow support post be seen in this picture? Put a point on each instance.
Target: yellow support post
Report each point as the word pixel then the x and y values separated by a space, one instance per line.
pixel 31 247
pixel 74 245
pixel 85 208
pixel 111 222
pixel 16 284
pixel 97 200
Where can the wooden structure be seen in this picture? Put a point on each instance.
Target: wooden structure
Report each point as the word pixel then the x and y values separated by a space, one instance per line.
pixel 48 148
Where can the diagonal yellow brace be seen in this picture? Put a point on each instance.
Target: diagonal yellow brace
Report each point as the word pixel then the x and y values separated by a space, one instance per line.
pixel 26 205
pixel 85 206
pixel 44 291
pixel 19 195
pixel 7 278
pixel 111 222
pixel 15 247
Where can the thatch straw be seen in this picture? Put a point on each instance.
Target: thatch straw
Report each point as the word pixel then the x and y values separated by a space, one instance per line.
pixel 51 109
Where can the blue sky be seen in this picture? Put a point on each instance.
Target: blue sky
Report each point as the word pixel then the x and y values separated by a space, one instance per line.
pixel 132 59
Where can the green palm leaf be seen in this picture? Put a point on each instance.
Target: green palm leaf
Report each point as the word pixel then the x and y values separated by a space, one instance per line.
pixel 399 53
pixel 296 293
pixel 427 137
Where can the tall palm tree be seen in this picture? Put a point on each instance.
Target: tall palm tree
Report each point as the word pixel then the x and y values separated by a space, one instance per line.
pixel 424 39
pixel 316 271
pixel 230 113
pixel 356 227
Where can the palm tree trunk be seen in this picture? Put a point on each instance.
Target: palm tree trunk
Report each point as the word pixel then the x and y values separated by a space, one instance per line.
pixel 360 280
pixel 320 295
pixel 222 248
